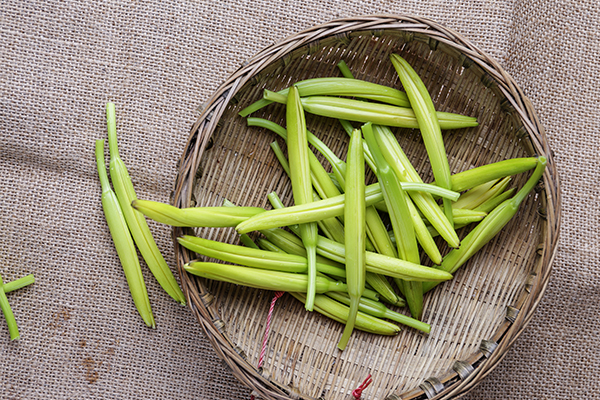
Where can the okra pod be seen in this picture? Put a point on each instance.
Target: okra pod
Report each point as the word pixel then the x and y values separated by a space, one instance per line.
pixel 339 312
pixel 429 125
pixel 490 225
pixel 401 219
pixel 123 241
pixel 262 278
pixel 209 217
pixel 405 172
pixel 354 229
pixel 336 86
pixel 18 284
pixel 327 208
pixel 301 187
pixel 476 176
pixel 135 220
pixel 254 258
pixel 379 310
pixel 381 114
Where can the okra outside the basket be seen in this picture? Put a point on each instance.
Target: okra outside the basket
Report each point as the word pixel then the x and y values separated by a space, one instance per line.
pixel 123 241
pixel 18 283
pixel 142 236
pixel 9 316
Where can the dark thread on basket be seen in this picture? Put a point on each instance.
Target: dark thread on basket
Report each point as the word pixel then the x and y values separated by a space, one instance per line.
pixel 512 313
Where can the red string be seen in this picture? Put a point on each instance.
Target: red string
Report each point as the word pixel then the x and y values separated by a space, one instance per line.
pixel 263 349
pixel 267 328
pixel 358 391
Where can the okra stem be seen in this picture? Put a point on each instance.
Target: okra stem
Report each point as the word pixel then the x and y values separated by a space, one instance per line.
pixel 18 284
pixel 13 329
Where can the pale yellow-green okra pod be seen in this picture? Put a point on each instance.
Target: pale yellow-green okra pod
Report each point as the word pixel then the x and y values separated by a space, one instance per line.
pixel 339 312
pixel 301 185
pixel 362 111
pixel 378 310
pixel 135 220
pixel 425 202
pixel 401 218
pixel 377 281
pixel 354 228
pixel 206 217
pixel 331 207
pixel 123 241
pixel 476 176
pixel 262 278
pixel 429 125
pixel 490 226
pixel 336 86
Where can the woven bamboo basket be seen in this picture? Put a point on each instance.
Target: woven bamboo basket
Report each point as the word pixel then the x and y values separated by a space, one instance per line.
pixel 475 317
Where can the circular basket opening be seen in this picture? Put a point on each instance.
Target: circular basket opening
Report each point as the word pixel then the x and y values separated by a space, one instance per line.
pixel 474 317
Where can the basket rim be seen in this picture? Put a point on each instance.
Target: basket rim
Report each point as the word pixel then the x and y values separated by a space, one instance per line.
pixel 455 382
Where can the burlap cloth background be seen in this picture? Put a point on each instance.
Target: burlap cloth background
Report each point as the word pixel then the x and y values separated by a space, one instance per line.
pixel 61 61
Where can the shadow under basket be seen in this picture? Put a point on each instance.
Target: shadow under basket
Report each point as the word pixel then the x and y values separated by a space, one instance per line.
pixel 475 317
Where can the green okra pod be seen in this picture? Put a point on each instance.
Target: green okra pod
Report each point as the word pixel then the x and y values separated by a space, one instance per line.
pixel 401 219
pixel 262 278
pixel 355 234
pixel 331 207
pixel 254 258
pixel 492 203
pixel 208 217
pixel 429 125
pixel 381 114
pixel 405 172
pixel 123 241
pixel 379 310
pixel 490 225
pixel 336 86
pixel 301 187
pixel 339 312
pixel 135 220
pixel 476 176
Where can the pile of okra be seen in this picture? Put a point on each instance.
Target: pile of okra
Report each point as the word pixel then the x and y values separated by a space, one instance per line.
pixel 333 249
